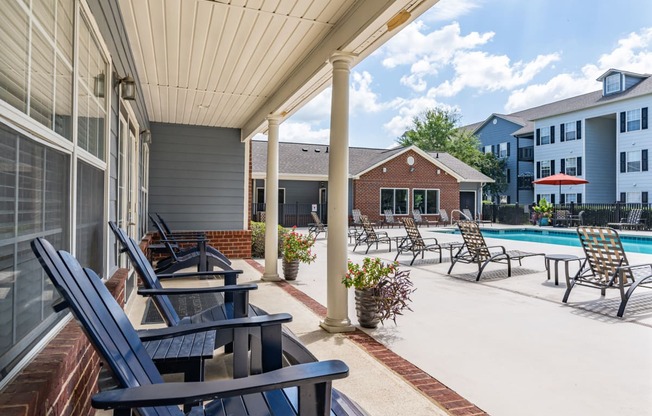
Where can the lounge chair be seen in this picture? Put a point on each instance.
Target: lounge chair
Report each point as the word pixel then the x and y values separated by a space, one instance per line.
pixel 420 220
pixel 140 384
pixel 416 244
pixel 606 266
pixel 201 255
pixel 371 236
pixel 443 217
pixel 316 227
pixel 389 220
pixel 633 221
pixel 476 250
pixel 469 216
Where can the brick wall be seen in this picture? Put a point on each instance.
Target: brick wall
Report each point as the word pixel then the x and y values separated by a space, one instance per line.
pixel 234 244
pixel 62 377
pixel 366 195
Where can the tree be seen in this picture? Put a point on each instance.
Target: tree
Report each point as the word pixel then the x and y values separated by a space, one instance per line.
pixel 437 130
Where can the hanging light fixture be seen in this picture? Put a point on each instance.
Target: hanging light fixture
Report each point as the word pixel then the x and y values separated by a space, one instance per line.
pixel 127 88
pixel 147 136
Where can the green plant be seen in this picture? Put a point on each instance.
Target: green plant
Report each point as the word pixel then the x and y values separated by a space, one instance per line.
pixel 392 287
pixel 298 247
pixel 258 239
pixel 544 209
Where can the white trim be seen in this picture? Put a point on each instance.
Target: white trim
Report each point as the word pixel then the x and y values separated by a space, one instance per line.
pixel 292 176
pixel 31 128
pixel 475 201
pixel 380 200
pixel 428 189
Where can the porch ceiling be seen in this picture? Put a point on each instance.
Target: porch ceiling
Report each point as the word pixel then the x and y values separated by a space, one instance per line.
pixel 230 63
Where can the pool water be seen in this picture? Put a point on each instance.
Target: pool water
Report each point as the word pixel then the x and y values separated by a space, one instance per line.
pixel 634 244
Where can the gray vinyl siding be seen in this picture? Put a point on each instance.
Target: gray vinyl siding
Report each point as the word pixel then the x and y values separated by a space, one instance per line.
pixel 197 177
pixel 600 161
pixel 631 81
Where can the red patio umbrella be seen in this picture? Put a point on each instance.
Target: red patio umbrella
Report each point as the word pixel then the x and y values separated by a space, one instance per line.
pixel 560 179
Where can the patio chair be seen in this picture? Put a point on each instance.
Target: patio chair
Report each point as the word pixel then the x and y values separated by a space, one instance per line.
pixel 202 255
pixel 416 244
pixel 633 221
pixel 419 220
pixel 476 251
pixel 469 216
pixel 606 266
pixel 577 219
pixel 140 384
pixel 371 236
pixel 316 227
pixel 443 217
pixel 389 220
pixel 561 218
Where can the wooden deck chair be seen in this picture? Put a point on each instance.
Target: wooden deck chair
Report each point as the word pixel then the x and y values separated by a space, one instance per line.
pixel 632 221
pixel 389 220
pixel 476 250
pixel 416 244
pixel 606 266
pixel 316 227
pixel 140 384
pixel 371 236
pixel 201 255
pixel 420 220
pixel 234 304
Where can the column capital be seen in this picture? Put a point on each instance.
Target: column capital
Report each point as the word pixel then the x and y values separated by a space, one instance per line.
pixel 343 57
pixel 274 118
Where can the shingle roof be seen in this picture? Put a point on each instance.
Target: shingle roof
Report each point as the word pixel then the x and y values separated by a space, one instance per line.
pixel 580 102
pixel 312 159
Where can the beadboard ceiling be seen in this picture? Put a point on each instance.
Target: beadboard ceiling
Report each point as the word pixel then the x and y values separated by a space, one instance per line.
pixel 230 63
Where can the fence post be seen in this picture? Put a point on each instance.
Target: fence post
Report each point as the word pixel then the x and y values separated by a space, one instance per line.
pixel 618 215
pixel 572 207
pixel 296 212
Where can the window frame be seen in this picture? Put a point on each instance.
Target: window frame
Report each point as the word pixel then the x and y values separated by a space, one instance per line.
pixel 633 119
pixel 546 130
pixel 425 211
pixel 629 162
pixel 570 163
pixel 609 84
pixel 502 150
pixel 570 128
pixel 407 204
pixel 545 165
pixel 633 197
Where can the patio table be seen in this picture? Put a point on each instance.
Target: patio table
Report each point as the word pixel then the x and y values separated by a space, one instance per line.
pixel 566 258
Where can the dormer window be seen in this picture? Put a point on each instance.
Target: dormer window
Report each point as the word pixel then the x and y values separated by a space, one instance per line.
pixel 612 84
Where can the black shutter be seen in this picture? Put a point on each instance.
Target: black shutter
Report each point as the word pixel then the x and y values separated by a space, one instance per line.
pixel 623 197
pixel 507 149
pixel 552 198
pixel 623 162
pixel 579 198
pixel 563 166
pixel 538 170
pixel 561 134
pixel 644 118
pixel 552 167
pixel 552 134
pixel 509 174
pixel 538 198
pixel 562 198
pixel 579 166
pixel 644 197
pixel 644 160
pixel 538 137
pixel 493 149
pixel 623 126
pixel 579 129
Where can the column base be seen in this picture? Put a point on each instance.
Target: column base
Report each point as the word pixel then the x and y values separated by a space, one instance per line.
pixel 271 277
pixel 335 326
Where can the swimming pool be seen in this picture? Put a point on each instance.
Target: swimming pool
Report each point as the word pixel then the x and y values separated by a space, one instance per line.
pixel 634 244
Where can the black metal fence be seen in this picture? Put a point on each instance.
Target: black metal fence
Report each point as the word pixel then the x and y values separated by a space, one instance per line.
pixel 593 214
pixel 290 215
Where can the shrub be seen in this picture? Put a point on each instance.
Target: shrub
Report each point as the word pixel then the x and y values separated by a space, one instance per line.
pixel 258 239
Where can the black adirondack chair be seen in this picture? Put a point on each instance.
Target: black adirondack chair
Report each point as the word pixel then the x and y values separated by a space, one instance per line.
pixel 304 389
pixel 202 255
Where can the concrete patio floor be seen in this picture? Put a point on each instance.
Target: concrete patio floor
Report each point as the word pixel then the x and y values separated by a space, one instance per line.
pixel 506 345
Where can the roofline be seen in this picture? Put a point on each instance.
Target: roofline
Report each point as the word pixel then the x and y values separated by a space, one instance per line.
pixel 292 176
pixel 632 74
pixel 420 152
pixel 501 116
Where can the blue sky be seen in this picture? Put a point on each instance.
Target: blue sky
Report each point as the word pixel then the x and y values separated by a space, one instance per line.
pixel 481 57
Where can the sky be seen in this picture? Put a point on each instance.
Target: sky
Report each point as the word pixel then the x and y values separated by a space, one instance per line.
pixel 479 57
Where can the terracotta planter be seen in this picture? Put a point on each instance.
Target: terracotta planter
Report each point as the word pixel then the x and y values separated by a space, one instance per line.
pixel 366 308
pixel 290 269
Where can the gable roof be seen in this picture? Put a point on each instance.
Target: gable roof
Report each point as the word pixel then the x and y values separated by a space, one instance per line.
pixel 577 103
pixel 310 161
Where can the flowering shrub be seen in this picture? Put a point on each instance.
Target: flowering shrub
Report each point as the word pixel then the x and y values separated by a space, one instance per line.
pixel 391 287
pixel 298 247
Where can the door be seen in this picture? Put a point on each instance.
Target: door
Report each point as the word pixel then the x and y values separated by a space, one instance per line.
pixel 467 201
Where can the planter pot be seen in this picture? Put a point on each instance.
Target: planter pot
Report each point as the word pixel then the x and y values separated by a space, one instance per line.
pixel 290 269
pixel 543 221
pixel 366 308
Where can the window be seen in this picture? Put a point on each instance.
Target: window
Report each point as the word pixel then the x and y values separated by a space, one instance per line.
pixel 634 161
pixel 545 168
pixel 90 216
pixel 612 83
pixel 570 198
pixel 569 131
pixel 281 195
pixel 426 200
pixel 487 149
pixel 571 166
pixel 545 135
pixel 394 199
pixel 633 198
pixel 634 120
pixel 547 197
pixel 503 152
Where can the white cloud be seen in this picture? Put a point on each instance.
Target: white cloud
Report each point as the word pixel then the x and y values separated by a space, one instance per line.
pixel 406 110
pixel 447 10
pixel 362 97
pixel 633 53
pixel 303 133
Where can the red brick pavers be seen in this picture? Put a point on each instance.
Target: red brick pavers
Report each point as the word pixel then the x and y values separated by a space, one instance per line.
pixel 446 398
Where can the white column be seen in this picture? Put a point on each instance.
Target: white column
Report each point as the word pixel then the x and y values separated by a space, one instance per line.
pixel 337 318
pixel 271 201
